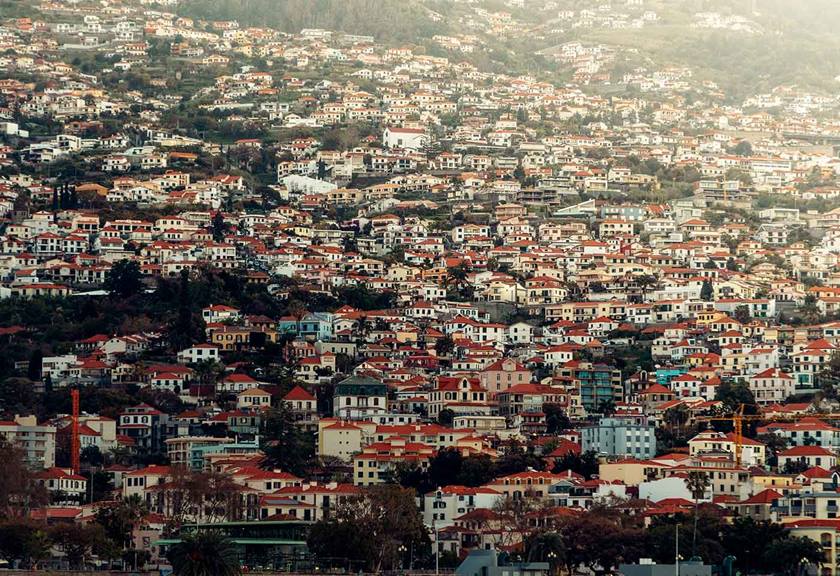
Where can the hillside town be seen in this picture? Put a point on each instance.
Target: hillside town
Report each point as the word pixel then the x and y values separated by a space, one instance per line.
pixel 352 305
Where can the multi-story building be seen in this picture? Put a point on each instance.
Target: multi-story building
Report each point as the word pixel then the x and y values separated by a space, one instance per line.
pixel 62 484
pixel 503 374
pixel 708 443
pixel 359 397
pixel 376 461
pixel 620 436
pixel 37 442
pixel 441 507
pixel 804 432
pixel 304 408
pixel 596 382
pixel 147 427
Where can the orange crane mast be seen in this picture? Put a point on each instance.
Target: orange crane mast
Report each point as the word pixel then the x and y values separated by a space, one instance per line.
pixel 737 418
pixel 75 447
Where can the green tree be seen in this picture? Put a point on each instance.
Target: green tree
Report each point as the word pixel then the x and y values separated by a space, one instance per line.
pixel 697 483
pixel 742 314
pixel 285 444
pixel 369 530
pixel 677 417
pixel 545 547
pixel 124 279
pixel 748 539
pixel 184 331
pixel 809 311
pixel 18 492
pixel 457 276
pixel 476 470
pixel 597 539
pixel 204 553
pixel 606 407
pixel 23 541
pixel 518 459
pixel 121 518
pixel 556 419
pixel 446 417
pixel 444 346
pixel 774 444
pixel 79 542
pixel 733 394
pixel 707 291
pixel 92 455
pixel 218 226
pixel 645 282
pixel 17 396
pixel 33 371
pixel 661 537
pixel 585 464
pixel 794 467
pixel 743 148
pixel 786 555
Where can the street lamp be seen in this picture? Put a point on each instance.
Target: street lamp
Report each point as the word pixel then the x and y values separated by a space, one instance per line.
pixel 437 535
pixel 803 566
pixel 552 556
pixel 402 550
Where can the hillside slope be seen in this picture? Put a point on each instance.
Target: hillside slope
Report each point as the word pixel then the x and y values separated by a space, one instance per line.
pixel 387 20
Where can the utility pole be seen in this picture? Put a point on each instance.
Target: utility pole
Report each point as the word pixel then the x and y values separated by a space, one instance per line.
pixel 677 553
pixel 437 547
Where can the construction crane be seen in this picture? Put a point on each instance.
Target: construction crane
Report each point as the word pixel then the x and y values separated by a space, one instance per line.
pixel 737 418
pixel 75 447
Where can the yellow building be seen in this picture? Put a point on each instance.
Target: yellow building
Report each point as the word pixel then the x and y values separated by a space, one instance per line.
pixel 827 533
pixel 230 338
pixel 343 439
pixel 630 471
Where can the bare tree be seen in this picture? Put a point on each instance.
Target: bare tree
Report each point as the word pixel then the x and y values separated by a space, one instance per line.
pixel 196 496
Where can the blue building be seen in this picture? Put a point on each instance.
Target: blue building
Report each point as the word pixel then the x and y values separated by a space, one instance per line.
pixel 492 563
pixel 665 375
pixel 313 326
pixel 620 436
pixel 266 545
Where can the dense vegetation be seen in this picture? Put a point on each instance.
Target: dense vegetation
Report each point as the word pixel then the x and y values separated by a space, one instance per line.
pixel 399 20
pixel 794 45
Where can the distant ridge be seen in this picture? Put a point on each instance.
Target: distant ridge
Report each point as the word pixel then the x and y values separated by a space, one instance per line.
pixel 387 20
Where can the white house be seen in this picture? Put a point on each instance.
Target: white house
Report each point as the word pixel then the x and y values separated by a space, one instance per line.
pixel 443 505
pixel 199 353
pixel 253 398
pixel 407 138
pixel 772 386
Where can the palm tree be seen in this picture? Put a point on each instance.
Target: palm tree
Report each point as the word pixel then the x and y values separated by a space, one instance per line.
pixel 606 407
pixel 677 417
pixel 207 372
pixel 697 483
pixel 645 282
pixel 573 291
pixel 204 553
pixel 456 276
pixel 546 547
pixel 362 329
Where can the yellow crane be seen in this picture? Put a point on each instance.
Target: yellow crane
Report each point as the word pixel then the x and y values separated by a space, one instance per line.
pixel 737 418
